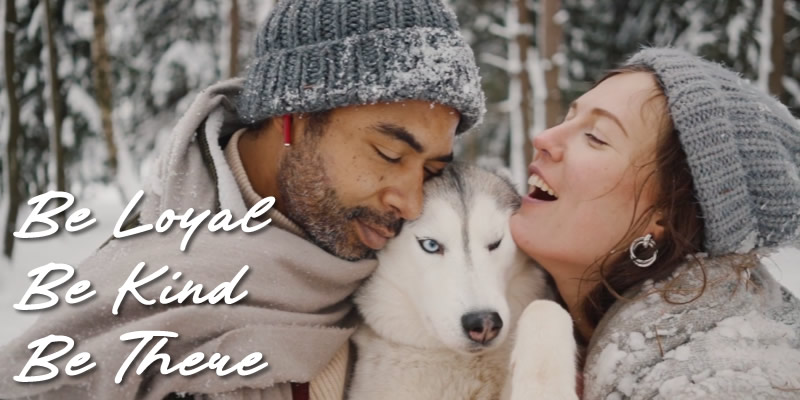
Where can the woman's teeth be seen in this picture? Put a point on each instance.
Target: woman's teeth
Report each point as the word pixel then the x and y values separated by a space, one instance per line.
pixel 536 181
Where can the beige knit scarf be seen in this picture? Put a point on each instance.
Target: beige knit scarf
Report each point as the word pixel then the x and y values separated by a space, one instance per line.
pixel 295 313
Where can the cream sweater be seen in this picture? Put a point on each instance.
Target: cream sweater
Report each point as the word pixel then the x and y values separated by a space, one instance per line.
pixel 330 383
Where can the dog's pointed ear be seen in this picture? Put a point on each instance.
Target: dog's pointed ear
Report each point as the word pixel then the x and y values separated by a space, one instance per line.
pixel 505 173
pixel 496 166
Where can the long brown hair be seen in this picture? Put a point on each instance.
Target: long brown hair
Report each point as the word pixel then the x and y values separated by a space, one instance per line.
pixel 678 210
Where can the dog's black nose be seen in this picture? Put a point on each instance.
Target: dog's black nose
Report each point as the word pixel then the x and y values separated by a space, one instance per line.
pixel 482 326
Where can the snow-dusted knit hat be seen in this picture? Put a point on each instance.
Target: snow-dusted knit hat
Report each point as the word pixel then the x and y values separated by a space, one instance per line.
pixel 743 149
pixel 317 55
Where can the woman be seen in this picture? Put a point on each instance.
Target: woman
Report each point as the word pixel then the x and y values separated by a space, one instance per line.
pixel 651 206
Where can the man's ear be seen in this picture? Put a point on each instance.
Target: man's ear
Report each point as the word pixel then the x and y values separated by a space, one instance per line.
pixel 273 127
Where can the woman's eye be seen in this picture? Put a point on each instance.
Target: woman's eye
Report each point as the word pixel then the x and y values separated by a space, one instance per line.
pixel 495 245
pixel 430 246
pixel 594 139
pixel 387 158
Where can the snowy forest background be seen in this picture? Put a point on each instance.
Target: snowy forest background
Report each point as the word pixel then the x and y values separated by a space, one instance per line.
pixel 91 88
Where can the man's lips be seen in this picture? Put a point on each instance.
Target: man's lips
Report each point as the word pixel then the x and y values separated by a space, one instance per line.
pixel 373 236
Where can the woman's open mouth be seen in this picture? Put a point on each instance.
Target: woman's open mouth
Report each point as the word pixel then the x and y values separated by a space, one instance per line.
pixel 541 190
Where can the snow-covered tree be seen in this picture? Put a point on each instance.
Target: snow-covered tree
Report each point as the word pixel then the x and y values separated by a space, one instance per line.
pixel 738 33
pixel 791 70
pixel 12 129
pixel 163 52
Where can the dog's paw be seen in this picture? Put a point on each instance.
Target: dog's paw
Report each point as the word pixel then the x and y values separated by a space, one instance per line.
pixel 545 320
pixel 543 359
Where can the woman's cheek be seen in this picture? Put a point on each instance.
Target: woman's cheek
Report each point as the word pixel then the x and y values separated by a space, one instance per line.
pixel 523 231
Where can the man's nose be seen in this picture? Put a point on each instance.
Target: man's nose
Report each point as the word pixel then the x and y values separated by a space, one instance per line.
pixel 405 196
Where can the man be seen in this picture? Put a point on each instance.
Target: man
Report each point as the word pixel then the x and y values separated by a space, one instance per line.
pixel 347 108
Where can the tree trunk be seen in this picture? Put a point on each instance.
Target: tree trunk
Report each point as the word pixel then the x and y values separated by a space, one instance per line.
pixel 15 129
pixel 102 79
pixel 549 41
pixel 778 50
pixel 233 65
pixel 524 43
pixel 55 98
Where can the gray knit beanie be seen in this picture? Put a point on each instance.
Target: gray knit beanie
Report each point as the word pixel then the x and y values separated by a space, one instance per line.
pixel 317 55
pixel 743 149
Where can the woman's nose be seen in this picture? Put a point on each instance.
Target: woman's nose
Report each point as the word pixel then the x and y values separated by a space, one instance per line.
pixel 548 144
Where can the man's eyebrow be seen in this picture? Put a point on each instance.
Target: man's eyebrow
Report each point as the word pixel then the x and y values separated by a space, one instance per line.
pixel 605 113
pixel 401 134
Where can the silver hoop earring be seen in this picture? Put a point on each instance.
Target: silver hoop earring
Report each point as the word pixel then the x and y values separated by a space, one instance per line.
pixel 647 242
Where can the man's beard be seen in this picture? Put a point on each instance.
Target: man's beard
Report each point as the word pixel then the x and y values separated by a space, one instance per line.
pixel 310 201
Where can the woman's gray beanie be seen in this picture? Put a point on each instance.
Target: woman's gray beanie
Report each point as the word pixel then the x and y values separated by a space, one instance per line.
pixel 317 55
pixel 743 149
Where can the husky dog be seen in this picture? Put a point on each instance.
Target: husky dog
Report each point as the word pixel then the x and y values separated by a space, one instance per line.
pixel 446 296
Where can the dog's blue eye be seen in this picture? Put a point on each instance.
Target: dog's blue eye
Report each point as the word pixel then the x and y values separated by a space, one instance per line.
pixel 430 246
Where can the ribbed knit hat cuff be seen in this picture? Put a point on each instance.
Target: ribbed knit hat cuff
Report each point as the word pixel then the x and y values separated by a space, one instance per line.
pixel 720 186
pixel 735 138
pixel 385 66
